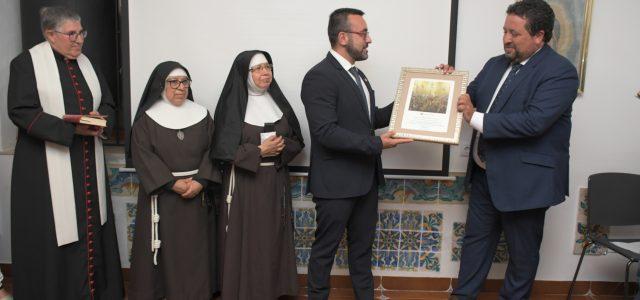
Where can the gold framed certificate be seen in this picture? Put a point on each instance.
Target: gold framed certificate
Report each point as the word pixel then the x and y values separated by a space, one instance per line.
pixel 425 105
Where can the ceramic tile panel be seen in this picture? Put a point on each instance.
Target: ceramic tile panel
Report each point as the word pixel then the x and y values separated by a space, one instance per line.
pixel 421 191
pixel 305 218
pixel 392 191
pixel 452 192
pixel 410 240
pixel 389 219
pixel 431 221
pixel 296 188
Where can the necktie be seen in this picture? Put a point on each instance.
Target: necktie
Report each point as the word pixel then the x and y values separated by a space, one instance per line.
pixel 355 74
pixel 505 84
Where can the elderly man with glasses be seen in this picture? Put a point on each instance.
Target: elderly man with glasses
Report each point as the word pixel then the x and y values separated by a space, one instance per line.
pixel 63 235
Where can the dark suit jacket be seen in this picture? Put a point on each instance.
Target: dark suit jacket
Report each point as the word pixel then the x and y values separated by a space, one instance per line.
pixel 527 132
pixel 345 152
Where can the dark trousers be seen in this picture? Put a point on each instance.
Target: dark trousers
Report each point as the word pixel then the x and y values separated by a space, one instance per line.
pixel 523 232
pixel 358 216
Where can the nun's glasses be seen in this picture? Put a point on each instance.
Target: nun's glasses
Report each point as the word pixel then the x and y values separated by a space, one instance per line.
pixel 262 67
pixel 174 83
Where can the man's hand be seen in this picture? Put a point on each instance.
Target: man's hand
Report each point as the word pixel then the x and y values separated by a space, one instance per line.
pixel 389 142
pixel 466 107
pixel 89 130
pixel 194 189
pixel 446 69
pixel 181 186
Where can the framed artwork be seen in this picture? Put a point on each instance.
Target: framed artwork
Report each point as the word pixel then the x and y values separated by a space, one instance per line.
pixel 571 32
pixel 425 105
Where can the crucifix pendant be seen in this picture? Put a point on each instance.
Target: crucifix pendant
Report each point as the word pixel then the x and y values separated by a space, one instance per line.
pixel 180 135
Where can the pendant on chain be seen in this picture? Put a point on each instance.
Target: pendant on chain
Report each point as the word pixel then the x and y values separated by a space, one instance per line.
pixel 180 135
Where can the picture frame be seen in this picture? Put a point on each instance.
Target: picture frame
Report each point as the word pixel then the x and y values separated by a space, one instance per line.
pixel 425 105
pixel 571 32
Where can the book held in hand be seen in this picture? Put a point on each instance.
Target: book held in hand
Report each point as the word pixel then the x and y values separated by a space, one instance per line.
pixel 95 120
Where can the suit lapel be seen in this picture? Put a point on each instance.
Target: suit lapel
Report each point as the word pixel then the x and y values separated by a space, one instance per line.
pixel 372 97
pixel 494 80
pixel 522 74
pixel 347 77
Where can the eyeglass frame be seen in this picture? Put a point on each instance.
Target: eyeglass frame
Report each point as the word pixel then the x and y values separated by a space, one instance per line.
pixel 69 35
pixel 364 34
pixel 186 83
pixel 261 67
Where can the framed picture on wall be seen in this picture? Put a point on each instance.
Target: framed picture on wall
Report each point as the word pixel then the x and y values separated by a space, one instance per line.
pixel 571 32
pixel 425 105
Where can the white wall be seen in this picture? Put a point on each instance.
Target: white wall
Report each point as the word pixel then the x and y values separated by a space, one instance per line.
pixel 9 48
pixel 605 118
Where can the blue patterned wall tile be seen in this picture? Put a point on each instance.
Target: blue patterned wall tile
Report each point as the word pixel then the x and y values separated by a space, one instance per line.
pixel 305 217
pixel 392 191
pixel 134 186
pixel 431 241
pixel 389 219
pixel 119 182
pixel 375 259
pixel 302 257
pixel 376 240
pixel 411 220
pixel 305 196
pixel 131 227
pixel 432 221
pixel 296 188
pixel 343 241
pixel 304 237
pixel 456 251
pixel 409 261
pixel 389 240
pixel 593 249
pixel 502 251
pixel 458 229
pixel 131 211
pixel 410 240
pixel 456 241
pixel 341 260
pixel 388 260
pixel 421 191
pixel 452 191
pixel 430 261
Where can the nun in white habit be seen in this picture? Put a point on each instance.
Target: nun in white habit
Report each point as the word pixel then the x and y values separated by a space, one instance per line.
pixel 173 253
pixel 257 135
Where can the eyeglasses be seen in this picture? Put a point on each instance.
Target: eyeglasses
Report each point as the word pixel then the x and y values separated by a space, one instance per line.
pixel 262 67
pixel 364 34
pixel 174 83
pixel 73 36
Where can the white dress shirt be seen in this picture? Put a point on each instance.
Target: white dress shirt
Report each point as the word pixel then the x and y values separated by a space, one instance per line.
pixel 347 65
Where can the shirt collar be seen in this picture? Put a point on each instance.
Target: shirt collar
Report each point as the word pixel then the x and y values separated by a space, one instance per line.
pixel 534 53
pixel 341 60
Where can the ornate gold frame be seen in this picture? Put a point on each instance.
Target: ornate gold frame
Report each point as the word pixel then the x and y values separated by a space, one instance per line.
pixel 453 118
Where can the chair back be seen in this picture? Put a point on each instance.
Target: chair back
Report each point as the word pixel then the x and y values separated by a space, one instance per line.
pixel 613 199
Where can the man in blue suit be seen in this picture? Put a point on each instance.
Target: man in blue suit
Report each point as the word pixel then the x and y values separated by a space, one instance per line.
pixel 345 166
pixel 519 106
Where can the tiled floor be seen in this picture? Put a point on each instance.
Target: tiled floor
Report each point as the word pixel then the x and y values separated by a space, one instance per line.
pixel 344 294
pixel 347 293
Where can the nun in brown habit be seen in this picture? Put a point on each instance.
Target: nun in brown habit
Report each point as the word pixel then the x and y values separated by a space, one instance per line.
pixel 173 253
pixel 257 135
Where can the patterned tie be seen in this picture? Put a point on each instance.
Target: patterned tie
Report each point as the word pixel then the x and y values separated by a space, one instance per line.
pixel 354 72
pixel 505 84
